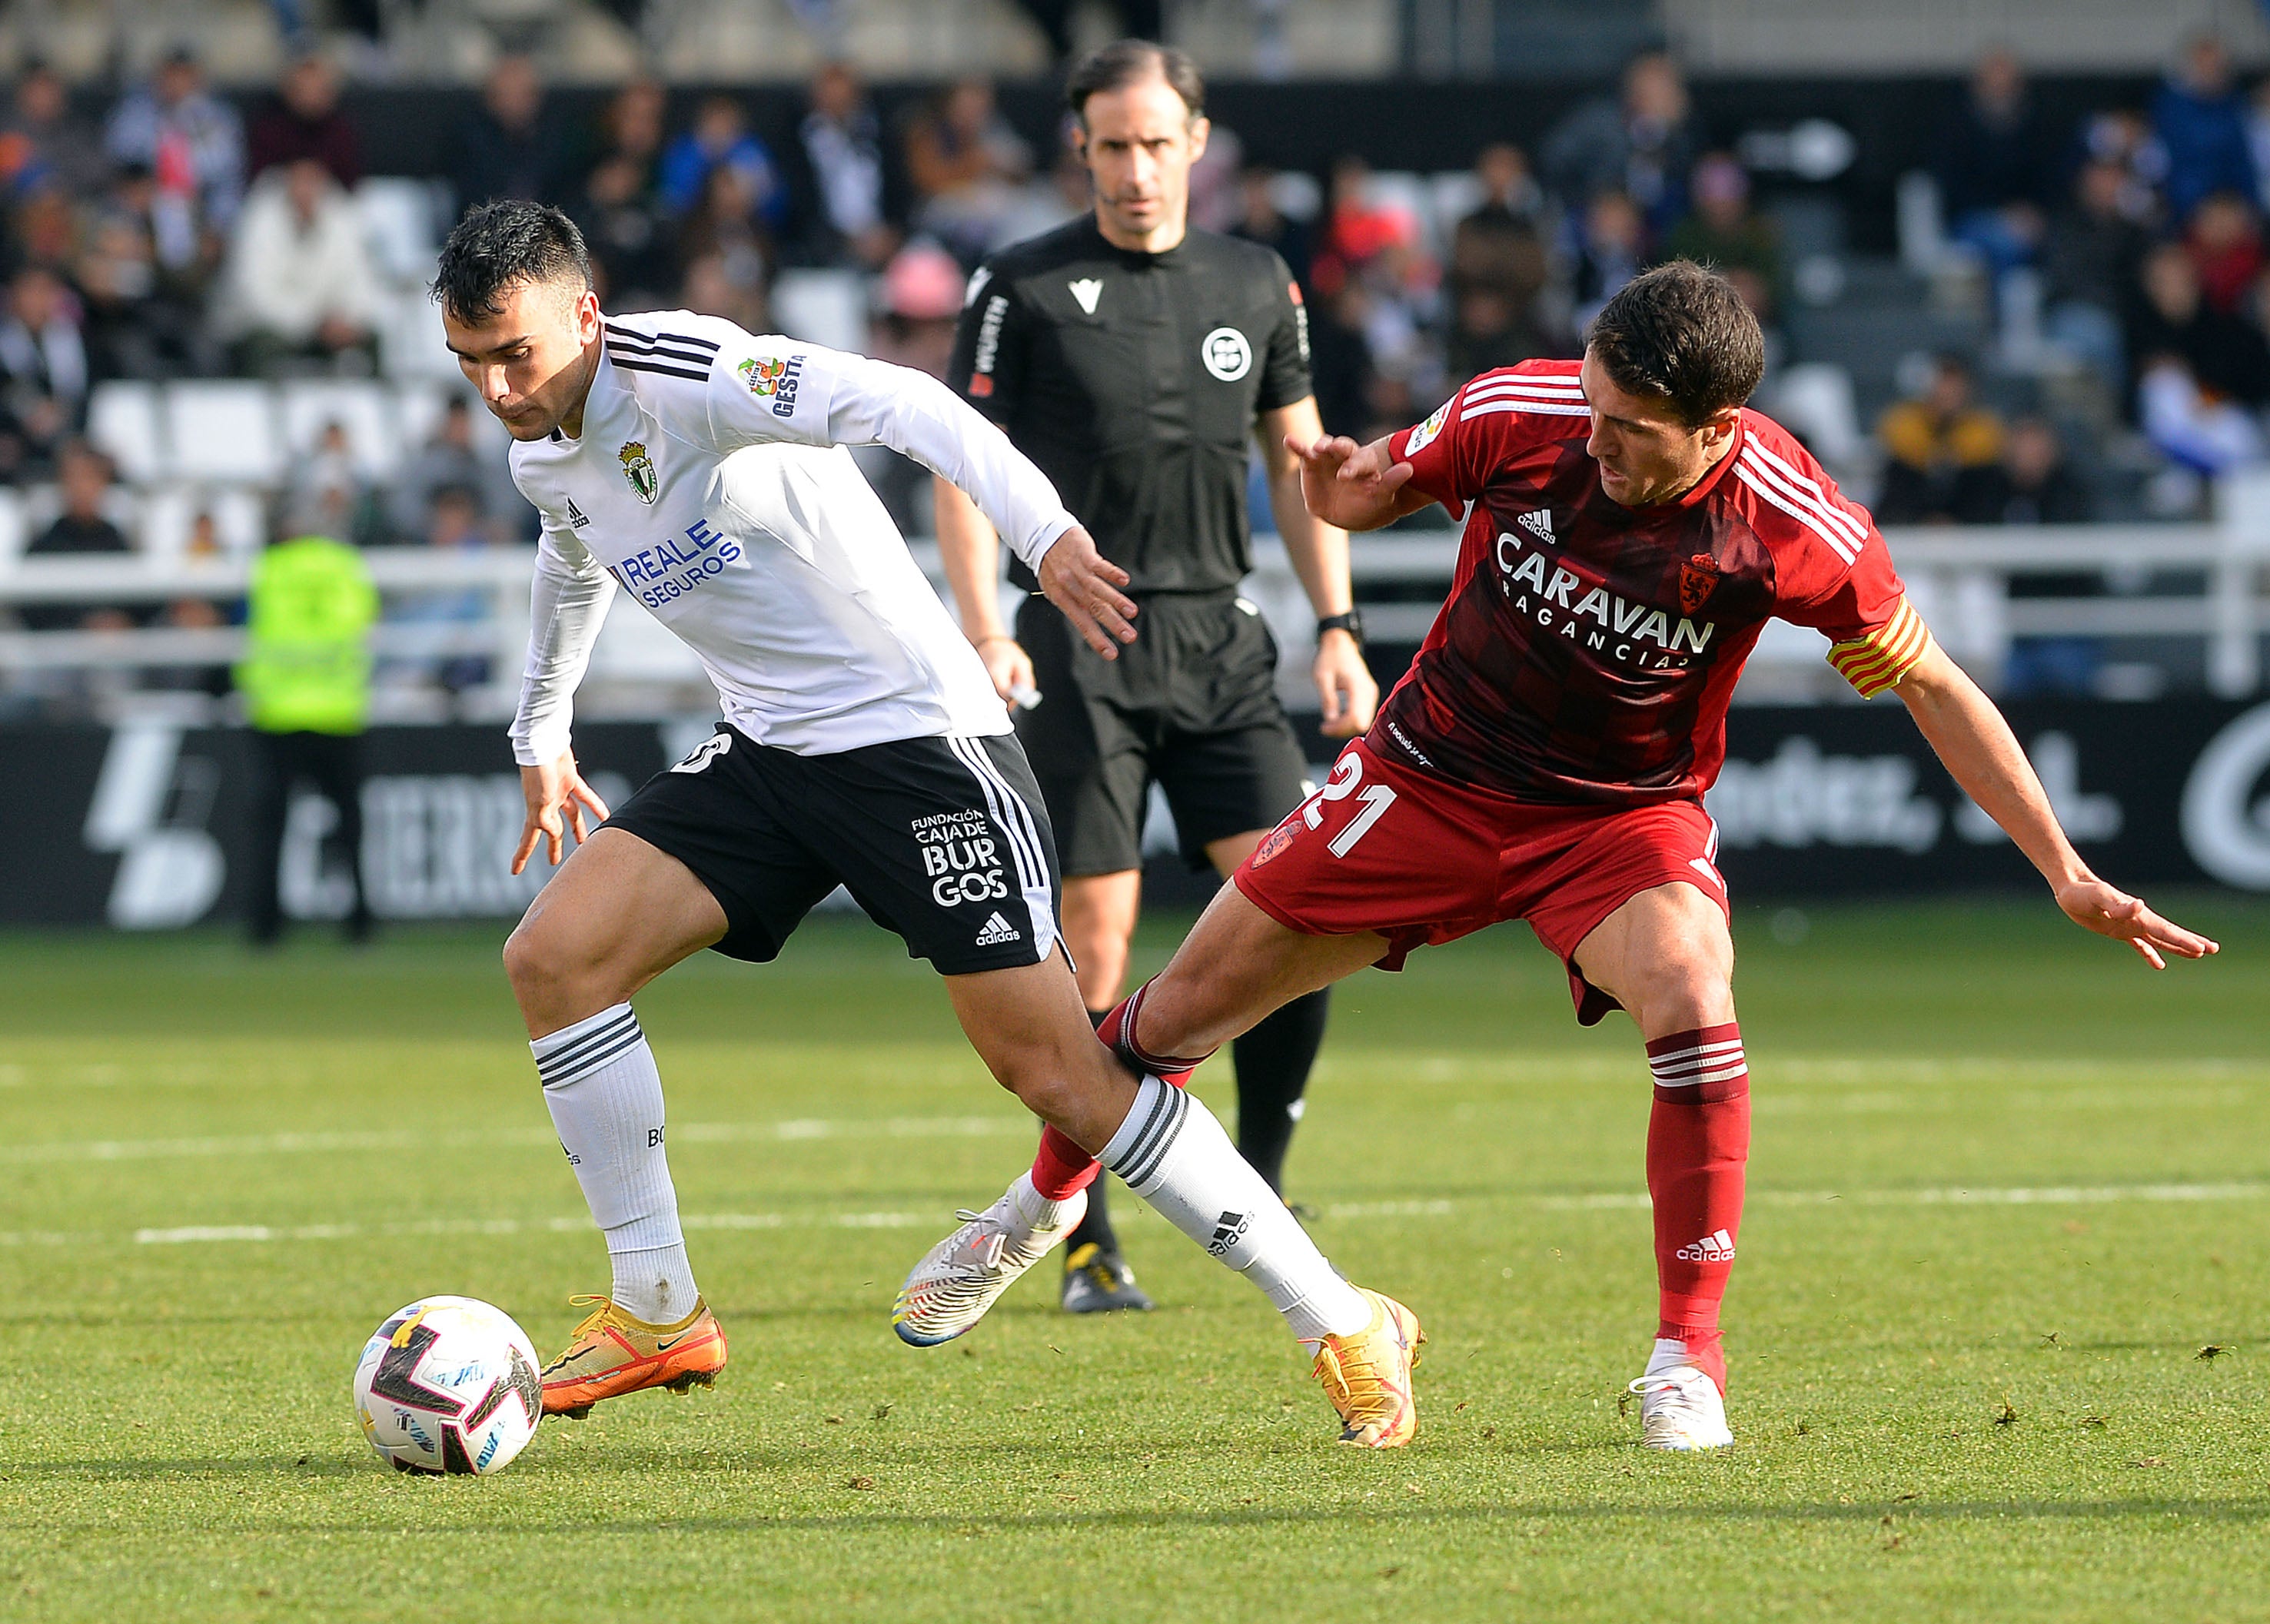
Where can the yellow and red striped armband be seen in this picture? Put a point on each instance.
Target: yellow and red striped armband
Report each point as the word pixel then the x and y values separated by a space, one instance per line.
pixel 1878 660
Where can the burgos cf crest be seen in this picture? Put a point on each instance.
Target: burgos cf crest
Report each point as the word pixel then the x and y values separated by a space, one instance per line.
pixel 762 373
pixel 638 468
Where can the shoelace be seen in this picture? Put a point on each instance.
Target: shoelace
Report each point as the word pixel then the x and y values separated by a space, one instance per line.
pixel 989 1256
pixel 1680 1383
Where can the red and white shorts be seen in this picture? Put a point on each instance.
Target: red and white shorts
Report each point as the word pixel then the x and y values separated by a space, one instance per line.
pixel 1383 847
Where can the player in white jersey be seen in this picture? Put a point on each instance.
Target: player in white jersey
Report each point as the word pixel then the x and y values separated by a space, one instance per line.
pixel 700 470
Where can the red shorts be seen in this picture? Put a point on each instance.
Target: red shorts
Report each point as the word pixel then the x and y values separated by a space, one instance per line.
pixel 1386 848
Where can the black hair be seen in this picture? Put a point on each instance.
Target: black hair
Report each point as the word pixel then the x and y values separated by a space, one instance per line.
pixel 503 244
pixel 1130 62
pixel 1682 335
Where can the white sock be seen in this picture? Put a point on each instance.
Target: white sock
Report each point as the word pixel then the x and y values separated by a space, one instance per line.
pixel 1669 1354
pixel 1173 1155
pixel 1037 1211
pixel 606 1099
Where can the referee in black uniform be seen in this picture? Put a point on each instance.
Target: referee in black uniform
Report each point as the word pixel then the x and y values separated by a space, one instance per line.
pixel 1135 361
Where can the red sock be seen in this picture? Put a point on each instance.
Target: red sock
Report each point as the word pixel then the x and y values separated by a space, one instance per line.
pixel 1061 1167
pixel 1698 1139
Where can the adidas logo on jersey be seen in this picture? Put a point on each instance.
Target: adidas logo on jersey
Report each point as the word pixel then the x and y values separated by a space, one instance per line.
pixel 1087 290
pixel 997 930
pixel 576 518
pixel 1227 1231
pixel 1539 524
pixel 1717 1248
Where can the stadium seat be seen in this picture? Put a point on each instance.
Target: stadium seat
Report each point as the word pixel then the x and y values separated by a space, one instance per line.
pixel 1452 195
pixel 122 423
pixel 169 516
pixel 411 343
pixel 1815 400
pixel 1411 195
pixel 362 406
pixel 13 532
pixel 222 431
pixel 397 221
pixel 822 307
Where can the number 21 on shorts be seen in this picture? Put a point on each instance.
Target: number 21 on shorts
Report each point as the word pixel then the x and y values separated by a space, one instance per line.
pixel 1347 775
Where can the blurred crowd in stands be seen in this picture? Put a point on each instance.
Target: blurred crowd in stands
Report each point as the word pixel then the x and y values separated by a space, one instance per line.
pixel 176 238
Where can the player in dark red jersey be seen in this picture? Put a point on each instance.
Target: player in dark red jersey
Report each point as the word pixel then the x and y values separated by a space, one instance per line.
pixel 1630 528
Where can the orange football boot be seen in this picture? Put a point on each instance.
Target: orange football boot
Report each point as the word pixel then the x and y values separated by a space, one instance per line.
pixel 613 1353
pixel 1367 1374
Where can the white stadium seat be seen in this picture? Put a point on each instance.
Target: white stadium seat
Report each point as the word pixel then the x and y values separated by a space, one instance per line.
pixel 361 406
pixel 13 532
pixel 169 513
pixel 397 221
pixel 822 307
pixel 222 431
pixel 122 423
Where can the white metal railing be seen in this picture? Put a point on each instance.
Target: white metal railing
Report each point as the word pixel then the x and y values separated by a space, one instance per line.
pixel 2195 582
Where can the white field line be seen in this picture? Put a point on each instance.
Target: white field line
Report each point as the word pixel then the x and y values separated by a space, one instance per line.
pixel 2052 1194
pixel 310 1144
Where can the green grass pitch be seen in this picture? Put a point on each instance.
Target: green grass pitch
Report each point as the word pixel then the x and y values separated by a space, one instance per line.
pixel 2008 1186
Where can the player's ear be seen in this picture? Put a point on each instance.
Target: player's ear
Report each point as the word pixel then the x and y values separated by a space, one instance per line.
pixel 1201 127
pixel 1719 426
pixel 586 316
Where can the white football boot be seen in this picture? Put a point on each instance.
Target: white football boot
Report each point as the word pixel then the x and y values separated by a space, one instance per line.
pixel 1679 1407
pixel 965 1274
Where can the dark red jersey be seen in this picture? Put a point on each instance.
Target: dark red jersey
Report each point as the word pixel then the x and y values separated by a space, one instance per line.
pixel 1587 650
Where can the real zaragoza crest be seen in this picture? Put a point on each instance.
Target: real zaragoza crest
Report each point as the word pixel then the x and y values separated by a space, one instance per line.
pixel 638 468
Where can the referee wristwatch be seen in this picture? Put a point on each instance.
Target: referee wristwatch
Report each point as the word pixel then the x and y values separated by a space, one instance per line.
pixel 1351 622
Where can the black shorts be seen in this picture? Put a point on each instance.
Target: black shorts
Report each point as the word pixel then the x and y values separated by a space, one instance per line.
pixel 1191 704
pixel 944 841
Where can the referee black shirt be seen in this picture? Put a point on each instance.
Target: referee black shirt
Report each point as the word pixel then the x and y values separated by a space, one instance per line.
pixel 1134 379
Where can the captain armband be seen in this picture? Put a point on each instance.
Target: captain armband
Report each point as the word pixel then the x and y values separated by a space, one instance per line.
pixel 1877 660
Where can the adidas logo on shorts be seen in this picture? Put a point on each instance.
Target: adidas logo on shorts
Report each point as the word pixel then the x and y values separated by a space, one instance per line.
pixel 1717 1248
pixel 1538 524
pixel 997 930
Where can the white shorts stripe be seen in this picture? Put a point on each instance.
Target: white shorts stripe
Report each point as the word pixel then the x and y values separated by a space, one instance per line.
pixel 1009 811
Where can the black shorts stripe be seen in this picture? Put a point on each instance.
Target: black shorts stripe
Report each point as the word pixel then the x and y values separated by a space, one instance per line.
pixel 668 372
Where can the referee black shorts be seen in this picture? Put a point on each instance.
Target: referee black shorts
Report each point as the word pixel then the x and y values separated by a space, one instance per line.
pixel 944 841
pixel 1192 705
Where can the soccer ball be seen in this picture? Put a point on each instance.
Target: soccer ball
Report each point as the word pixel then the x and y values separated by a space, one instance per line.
pixel 448 1385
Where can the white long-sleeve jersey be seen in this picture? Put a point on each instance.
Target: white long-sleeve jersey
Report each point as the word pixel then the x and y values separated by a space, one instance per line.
pixel 710 484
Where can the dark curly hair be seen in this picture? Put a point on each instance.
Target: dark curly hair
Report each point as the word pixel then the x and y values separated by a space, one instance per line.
pixel 499 246
pixel 1682 335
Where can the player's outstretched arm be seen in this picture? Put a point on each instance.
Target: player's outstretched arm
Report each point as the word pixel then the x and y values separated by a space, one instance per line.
pixel 1356 487
pixel 557 798
pixel 1982 753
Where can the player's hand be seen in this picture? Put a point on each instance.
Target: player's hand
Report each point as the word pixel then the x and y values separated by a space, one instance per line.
pixel 1008 665
pixel 2095 906
pixel 1085 584
pixel 557 799
pixel 1344 484
pixel 1345 685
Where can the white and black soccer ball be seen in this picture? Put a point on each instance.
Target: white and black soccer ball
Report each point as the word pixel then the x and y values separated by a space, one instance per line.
pixel 448 1385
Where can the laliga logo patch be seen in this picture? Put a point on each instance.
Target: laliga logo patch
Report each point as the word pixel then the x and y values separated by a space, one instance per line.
pixel 1698 578
pixel 1272 847
pixel 1423 436
pixel 638 468
pixel 1227 354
